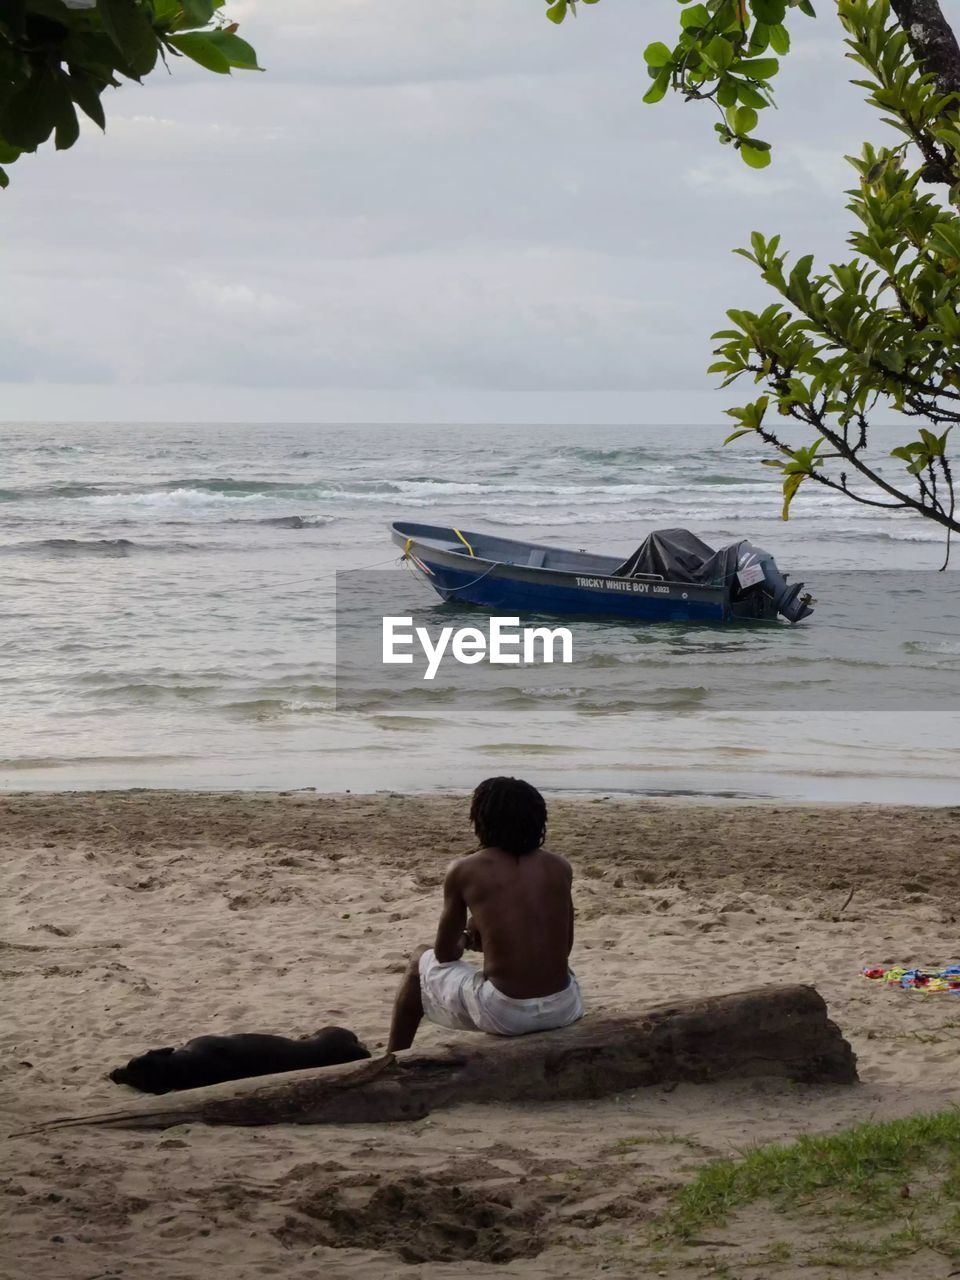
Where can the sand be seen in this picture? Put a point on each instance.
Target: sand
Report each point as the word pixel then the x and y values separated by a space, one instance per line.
pixel 139 919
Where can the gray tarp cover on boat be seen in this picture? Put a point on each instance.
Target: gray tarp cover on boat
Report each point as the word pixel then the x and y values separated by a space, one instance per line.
pixel 680 556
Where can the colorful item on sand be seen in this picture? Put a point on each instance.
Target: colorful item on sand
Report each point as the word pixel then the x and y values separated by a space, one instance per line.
pixel 929 980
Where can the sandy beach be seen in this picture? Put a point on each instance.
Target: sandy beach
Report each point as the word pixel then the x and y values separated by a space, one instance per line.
pixel 140 919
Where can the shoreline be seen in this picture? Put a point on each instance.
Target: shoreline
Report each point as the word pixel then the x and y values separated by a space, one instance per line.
pixel 876 790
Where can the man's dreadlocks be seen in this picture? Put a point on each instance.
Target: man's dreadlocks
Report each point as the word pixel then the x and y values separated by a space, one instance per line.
pixel 509 814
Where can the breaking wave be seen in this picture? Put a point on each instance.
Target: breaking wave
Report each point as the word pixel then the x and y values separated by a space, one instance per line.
pixel 286 522
pixel 420 489
pixel 870 533
pixel 106 547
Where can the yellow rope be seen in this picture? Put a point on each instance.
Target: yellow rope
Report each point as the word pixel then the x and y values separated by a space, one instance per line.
pixel 463 540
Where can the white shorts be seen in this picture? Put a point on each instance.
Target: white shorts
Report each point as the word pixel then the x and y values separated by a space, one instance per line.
pixel 458 996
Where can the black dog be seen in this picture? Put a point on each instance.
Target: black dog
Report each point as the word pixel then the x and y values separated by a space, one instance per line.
pixel 212 1059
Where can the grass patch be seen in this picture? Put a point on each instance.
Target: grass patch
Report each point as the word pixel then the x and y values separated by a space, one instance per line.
pixel 866 1173
pixel 841 1251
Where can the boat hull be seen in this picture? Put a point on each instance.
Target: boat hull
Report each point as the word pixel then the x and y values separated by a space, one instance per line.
pixel 510 578
pixel 514 590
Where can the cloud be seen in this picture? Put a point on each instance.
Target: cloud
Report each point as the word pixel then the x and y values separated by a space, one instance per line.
pixel 244 306
pixel 451 199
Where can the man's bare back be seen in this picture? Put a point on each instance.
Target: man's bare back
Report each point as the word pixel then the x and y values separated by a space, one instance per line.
pixel 522 909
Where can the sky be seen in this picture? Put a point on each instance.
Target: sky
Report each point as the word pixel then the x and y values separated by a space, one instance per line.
pixel 423 210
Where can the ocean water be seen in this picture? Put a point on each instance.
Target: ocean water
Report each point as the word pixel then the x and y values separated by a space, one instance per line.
pixel 167 618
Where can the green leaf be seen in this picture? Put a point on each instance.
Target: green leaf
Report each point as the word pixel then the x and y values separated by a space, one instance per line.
pixel 4 180
pixel 696 16
pixel 756 155
pixel 945 238
pixel 167 15
pixel 127 25
pixel 237 52
pixel 657 54
pixel 68 126
pixel 742 119
pixel 740 431
pixel 759 38
pixel 719 53
pixel 727 92
pixel 29 115
pixel 769 11
pixel 196 13
pixel 790 486
pixel 87 97
pixel 751 97
pixel 94 53
pixel 557 12
pixel 801 268
pixel 780 40
pixel 198 46
pixel 7 153
pixel 757 68
pixel 659 87
pixel 806 7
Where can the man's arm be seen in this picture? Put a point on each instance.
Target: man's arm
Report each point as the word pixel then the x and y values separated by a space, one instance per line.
pixel 449 943
pixel 572 912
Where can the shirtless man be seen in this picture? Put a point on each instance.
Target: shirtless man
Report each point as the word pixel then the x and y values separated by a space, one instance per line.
pixel 520 910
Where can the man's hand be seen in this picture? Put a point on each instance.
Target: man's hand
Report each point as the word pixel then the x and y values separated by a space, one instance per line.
pixel 472 941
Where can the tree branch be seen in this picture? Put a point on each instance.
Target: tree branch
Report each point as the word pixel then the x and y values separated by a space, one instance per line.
pixel 934 45
pixel 810 416
pixel 857 497
pixel 932 40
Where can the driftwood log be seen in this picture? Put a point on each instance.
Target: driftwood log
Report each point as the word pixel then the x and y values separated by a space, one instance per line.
pixel 766 1031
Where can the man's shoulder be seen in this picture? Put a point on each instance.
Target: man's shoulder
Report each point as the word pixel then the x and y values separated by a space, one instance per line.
pixel 454 864
pixel 557 859
pixel 465 864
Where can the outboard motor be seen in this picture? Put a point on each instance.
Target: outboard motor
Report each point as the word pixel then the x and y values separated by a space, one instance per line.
pixel 755 565
pixel 756 587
